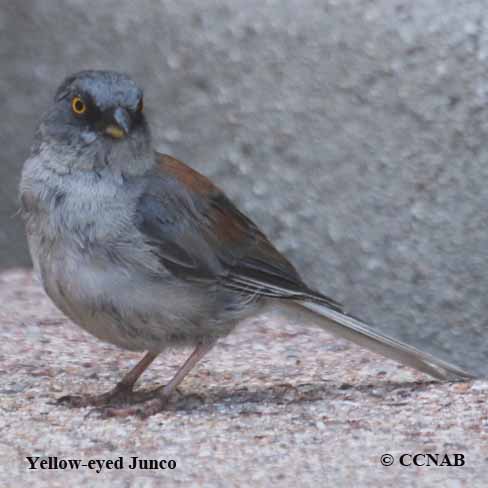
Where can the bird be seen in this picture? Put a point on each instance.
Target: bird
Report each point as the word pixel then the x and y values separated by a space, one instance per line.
pixel 146 253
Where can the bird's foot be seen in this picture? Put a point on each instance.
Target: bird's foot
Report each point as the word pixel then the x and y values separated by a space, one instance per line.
pixel 119 395
pixel 142 410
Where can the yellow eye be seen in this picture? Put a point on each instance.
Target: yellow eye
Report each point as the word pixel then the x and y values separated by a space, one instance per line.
pixel 78 105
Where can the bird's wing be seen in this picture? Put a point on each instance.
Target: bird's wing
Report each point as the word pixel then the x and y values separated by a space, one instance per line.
pixel 199 234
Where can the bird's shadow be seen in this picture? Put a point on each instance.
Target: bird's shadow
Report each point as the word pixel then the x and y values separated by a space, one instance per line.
pixel 248 400
pixel 285 393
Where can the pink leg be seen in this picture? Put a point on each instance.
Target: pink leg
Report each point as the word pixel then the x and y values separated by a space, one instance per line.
pixel 188 365
pixel 123 391
pixel 162 394
pixel 134 374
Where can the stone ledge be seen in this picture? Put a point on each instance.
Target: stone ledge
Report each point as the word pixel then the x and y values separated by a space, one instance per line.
pixel 273 403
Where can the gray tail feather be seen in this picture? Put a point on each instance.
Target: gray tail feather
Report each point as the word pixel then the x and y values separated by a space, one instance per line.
pixel 355 331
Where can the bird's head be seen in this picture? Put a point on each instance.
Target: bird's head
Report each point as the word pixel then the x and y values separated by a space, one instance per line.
pixel 97 118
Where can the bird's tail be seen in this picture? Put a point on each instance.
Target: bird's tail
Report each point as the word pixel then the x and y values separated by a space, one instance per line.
pixel 356 331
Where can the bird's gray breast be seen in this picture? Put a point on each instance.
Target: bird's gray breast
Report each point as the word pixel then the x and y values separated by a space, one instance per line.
pixel 100 271
pixel 84 247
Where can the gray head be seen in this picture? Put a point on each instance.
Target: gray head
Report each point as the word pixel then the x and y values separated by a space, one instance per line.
pixel 97 120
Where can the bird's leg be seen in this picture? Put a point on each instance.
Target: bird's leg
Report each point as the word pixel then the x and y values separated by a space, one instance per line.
pixel 163 393
pixel 123 391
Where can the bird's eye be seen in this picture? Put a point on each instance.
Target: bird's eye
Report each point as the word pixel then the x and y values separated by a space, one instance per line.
pixel 140 106
pixel 78 106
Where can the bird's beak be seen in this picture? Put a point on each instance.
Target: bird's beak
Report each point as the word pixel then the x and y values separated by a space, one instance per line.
pixel 121 124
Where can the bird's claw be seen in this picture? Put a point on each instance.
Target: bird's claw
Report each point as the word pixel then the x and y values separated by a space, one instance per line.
pixel 141 410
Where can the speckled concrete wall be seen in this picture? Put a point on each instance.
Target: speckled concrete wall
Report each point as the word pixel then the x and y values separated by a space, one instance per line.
pixel 353 131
